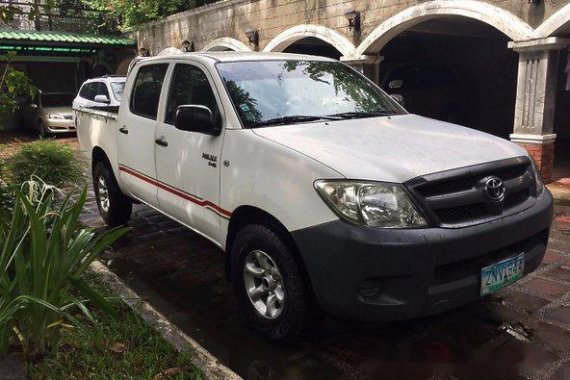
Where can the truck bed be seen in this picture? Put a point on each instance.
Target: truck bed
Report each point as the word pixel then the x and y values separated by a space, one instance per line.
pixel 97 127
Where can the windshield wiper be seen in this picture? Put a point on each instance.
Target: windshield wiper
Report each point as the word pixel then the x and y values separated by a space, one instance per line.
pixel 283 120
pixel 354 115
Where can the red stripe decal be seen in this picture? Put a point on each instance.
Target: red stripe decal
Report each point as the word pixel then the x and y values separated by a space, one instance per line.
pixel 189 197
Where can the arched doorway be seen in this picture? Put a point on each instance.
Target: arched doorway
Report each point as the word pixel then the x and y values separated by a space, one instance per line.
pixel 313 46
pixel 449 60
pixel 312 40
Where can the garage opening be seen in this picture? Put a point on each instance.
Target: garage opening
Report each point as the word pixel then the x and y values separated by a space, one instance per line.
pixel 313 46
pixel 562 118
pixel 57 64
pixel 454 69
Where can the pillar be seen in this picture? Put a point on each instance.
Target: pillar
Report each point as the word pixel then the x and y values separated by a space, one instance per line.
pixel 536 97
pixel 366 64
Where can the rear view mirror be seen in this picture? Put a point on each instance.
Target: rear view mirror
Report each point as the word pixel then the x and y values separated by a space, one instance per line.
pixel 101 99
pixel 196 118
pixel 395 84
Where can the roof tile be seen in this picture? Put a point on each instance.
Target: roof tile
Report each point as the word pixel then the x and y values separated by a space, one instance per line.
pixel 33 35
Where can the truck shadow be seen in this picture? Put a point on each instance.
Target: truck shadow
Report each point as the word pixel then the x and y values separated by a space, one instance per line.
pixel 182 275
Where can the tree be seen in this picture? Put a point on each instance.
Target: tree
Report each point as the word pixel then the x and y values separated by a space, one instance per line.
pixel 133 13
pixel 64 15
pixel 14 84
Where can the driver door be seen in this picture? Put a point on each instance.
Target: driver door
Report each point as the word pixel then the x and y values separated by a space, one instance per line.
pixel 188 163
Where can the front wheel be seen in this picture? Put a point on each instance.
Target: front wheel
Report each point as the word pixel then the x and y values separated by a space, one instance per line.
pixel 274 297
pixel 44 132
pixel 114 207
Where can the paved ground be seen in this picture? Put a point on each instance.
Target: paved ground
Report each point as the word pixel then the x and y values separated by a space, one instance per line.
pixel 522 332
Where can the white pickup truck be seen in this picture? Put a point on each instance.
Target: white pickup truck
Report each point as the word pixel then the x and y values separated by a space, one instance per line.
pixel 325 194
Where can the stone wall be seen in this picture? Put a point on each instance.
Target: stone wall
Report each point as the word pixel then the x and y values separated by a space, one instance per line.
pixel 230 18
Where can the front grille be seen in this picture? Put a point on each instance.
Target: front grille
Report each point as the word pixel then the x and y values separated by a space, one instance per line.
pixel 461 269
pixel 460 214
pixel 457 198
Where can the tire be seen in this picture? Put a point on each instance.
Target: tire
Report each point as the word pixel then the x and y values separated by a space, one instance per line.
pixel 261 248
pixel 114 207
pixel 43 130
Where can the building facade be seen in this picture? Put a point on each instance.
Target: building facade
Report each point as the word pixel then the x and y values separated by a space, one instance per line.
pixel 500 66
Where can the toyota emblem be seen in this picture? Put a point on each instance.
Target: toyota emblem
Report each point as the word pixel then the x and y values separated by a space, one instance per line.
pixel 494 189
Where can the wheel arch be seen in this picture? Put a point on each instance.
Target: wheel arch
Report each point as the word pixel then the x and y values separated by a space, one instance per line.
pixel 99 155
pixel 246 215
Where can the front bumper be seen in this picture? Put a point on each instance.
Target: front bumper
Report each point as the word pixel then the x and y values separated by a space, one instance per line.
pixel 60 125
pixel 373 274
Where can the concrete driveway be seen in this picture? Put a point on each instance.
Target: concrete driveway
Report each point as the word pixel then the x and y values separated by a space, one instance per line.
pixel 520 333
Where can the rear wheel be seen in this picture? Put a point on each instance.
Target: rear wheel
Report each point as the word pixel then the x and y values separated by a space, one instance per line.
pixel 273 296
pixel 114 207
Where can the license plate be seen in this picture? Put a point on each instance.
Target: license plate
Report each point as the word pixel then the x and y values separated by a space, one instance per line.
pixel 497 276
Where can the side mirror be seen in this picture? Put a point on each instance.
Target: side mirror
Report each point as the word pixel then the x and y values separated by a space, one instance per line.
pixel 195 118
pixel 399 98
pixel 101 99
pixel 34 106
pixel 395 84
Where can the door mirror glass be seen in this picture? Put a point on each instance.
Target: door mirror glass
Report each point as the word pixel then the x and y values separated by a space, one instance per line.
pixel 399 98
pixel 33 106
pixel 195 118
pixel 101 99
pixel 395 84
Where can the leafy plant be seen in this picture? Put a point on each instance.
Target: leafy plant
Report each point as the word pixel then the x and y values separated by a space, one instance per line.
pixel 44 255
pixel 13 84
pixel 54 163
pixel 134 13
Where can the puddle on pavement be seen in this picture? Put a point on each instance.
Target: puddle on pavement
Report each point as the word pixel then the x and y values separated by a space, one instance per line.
pixel 182 275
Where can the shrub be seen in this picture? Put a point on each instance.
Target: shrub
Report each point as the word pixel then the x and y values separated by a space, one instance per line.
pixel 6 199
pixel 44 255
pixel 56 164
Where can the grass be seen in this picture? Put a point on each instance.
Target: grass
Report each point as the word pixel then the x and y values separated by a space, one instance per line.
pixel 116 347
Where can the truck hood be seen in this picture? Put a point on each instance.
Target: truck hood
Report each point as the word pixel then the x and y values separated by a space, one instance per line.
pixel 391 149
pixel 64 110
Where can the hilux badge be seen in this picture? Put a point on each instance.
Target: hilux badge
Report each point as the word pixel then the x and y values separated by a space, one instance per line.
pixel 494 189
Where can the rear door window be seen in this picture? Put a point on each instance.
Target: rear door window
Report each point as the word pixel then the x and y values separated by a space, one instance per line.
pixel 146 90
pixel 102 90
pixel 89 90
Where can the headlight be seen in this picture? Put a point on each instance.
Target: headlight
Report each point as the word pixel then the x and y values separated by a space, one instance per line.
pixel 55 116
pixel 537 178
pixel 372 204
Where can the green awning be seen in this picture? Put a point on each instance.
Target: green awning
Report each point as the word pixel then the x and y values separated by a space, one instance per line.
pixel 32 37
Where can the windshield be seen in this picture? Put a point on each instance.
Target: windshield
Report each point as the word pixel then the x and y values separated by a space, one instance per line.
pixel 273 92
pixel 118 88
pixel 57 100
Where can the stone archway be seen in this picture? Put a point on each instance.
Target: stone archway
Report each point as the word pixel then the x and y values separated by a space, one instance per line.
pixel 226 43
pixel 299 32
pixel 449 60
pixel 504 21
pixel 555 25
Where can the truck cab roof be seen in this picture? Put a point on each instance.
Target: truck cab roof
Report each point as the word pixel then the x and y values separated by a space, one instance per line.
pixel 233 56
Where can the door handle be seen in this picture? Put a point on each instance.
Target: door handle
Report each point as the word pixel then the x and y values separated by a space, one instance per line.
pixel 124 130
pixel 161 141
